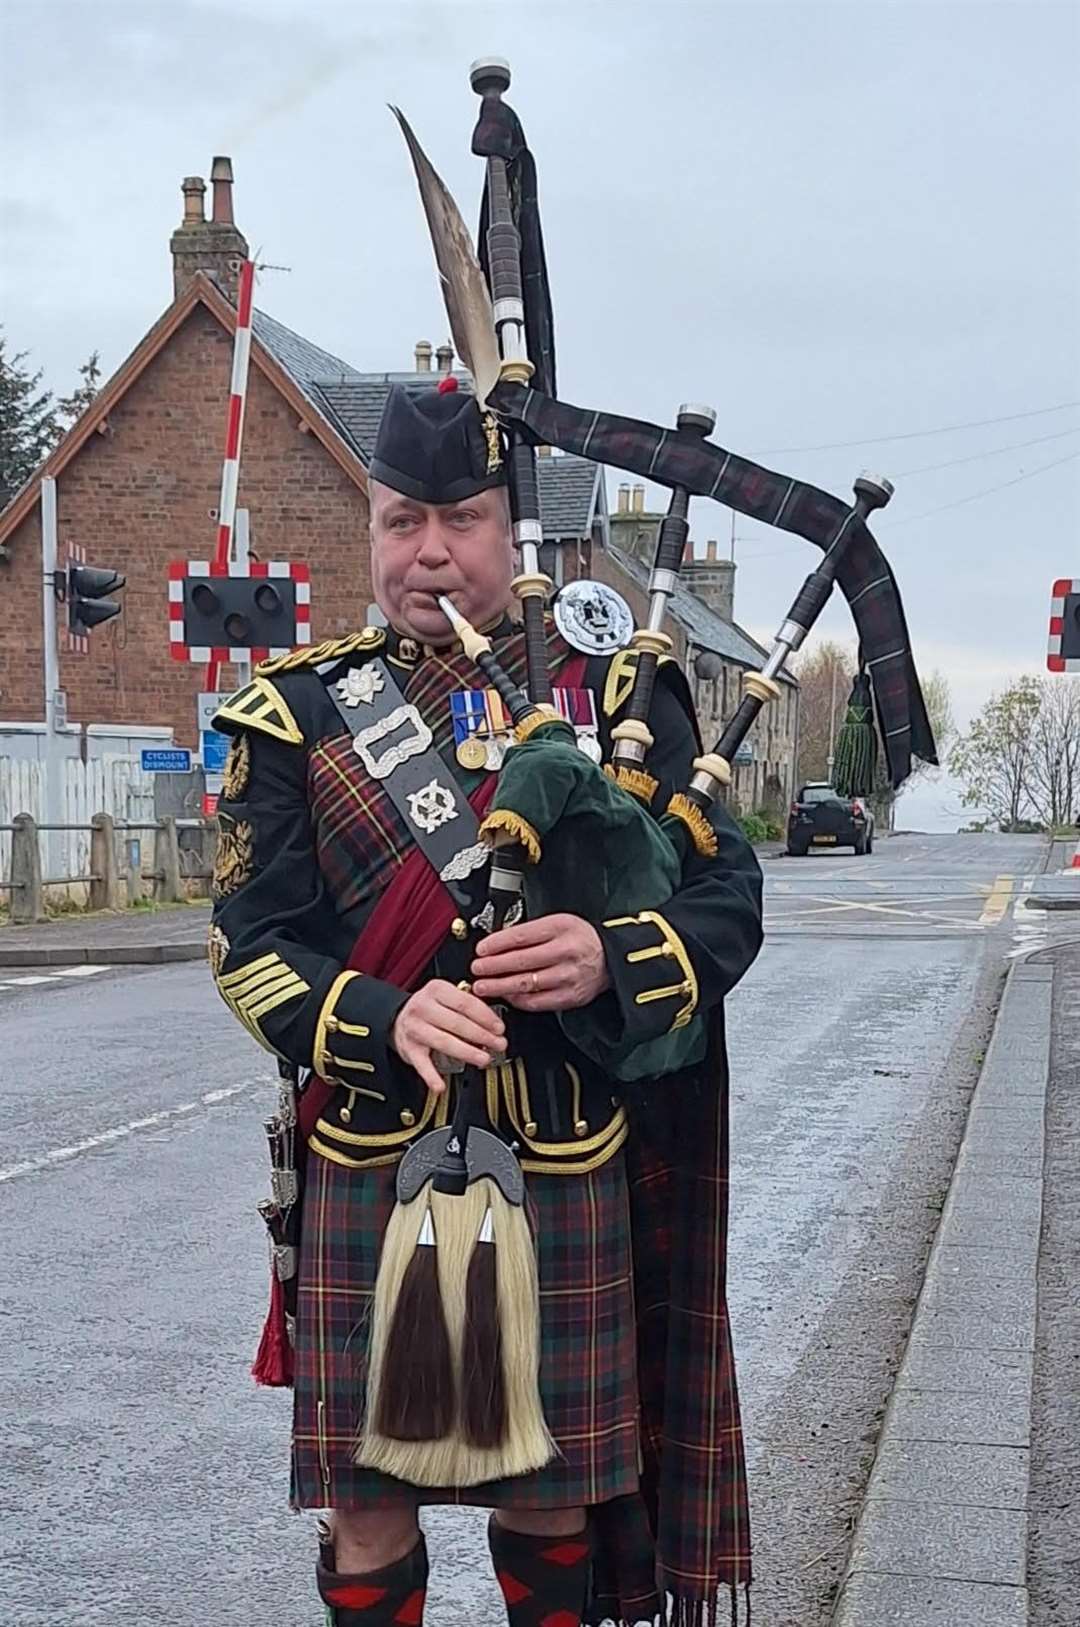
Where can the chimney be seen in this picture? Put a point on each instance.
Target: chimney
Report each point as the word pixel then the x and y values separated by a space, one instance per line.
pixel 711 579
pixel 422 354
pixel 624 499
pixel 215 247
pixel 639 499
pixel 444 356
pixel 688 552
pixel 194 189
pixel 221 179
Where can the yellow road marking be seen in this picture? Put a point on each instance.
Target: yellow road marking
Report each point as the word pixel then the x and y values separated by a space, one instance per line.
pixel 998 902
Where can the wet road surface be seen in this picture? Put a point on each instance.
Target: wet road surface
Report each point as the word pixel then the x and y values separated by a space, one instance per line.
pixel 146 1476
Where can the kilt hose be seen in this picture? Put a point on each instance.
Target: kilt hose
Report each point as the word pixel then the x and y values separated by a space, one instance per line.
pixel 588 1366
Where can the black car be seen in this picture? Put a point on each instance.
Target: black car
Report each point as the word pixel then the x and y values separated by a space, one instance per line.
pixel 821 817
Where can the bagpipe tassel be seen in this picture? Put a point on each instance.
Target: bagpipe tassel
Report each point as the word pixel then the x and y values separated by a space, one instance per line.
pixel 273 1364
pixel 855 760
pixel 488 1301
pixel 413 1383
pixel 483 1381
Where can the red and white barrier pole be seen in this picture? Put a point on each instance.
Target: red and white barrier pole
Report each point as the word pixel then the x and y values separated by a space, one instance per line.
pixel 234 434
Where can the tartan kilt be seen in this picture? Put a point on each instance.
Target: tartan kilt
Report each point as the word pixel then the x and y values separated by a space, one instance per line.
pixel 588 1368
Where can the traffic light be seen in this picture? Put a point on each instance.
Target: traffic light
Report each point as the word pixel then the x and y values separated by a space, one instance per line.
pixel 239 612
pixel 85 587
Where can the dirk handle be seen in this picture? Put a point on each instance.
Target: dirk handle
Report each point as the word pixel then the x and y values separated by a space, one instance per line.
pixel 632 735
pixel 489 78
pixel 712 772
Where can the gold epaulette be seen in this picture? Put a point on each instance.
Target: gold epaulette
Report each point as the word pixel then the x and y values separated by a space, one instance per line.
pixel 331 649
pixel 259 706
pixel 620 679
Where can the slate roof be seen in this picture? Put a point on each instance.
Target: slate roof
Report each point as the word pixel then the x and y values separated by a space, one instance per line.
pixel 569 487
pixel 702 625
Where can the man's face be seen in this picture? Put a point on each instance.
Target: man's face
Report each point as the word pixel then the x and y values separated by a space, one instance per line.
pixel 419 550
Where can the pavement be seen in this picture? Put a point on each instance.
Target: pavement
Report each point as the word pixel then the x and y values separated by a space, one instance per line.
pixel 942 1536
pixel 138 1449
pixel 145 936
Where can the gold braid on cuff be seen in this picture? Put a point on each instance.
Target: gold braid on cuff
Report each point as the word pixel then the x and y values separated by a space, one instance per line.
pixel 327 1023
pixel 701 832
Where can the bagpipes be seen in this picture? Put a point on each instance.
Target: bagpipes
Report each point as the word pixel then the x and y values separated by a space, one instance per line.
pixel 453 1395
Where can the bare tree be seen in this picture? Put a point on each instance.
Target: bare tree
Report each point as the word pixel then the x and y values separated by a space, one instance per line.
pixel 825 674
pixel 1053 772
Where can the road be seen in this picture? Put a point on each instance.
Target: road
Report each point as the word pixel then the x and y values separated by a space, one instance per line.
pixel 146 1475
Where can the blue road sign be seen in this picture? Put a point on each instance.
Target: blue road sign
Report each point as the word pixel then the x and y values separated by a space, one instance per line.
pixel 215 749
pixel 166 760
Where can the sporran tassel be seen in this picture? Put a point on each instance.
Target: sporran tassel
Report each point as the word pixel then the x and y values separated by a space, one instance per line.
pixel 451 1458
pixel 483 1387
pixel 416 1395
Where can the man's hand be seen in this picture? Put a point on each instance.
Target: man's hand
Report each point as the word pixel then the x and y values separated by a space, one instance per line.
pixel 555 963
pixel 440 1017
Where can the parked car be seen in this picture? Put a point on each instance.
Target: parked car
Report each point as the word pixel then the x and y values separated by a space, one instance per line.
pixel 821 817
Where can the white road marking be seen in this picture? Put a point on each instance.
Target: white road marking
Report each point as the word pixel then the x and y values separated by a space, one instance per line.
pixel 118 1132
pixel 1031 927
pixel 31 978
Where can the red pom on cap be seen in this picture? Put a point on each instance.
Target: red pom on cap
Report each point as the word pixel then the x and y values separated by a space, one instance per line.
pixel 448 385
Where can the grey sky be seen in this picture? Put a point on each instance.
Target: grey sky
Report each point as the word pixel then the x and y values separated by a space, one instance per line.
pixel 832 221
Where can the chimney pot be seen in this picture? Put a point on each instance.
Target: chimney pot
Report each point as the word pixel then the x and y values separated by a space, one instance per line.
pixel 624 499
pixel 710 552
pixel 221 179
pixel 639 499
pixel 194 189
pixel 688 551
pixel 423 356
pixel 445 357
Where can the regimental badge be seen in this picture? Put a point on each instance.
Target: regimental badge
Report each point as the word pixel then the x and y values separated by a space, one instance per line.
pixel 592 617
pixel 494 445
pixel 431 807
pixel 360 685
pixel 237 769
pixel 235 858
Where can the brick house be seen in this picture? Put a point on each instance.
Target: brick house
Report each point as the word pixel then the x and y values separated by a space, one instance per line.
pixel 138 479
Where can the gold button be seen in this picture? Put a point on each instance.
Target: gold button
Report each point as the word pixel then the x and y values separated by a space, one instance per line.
pixel 345 1116
pixel 332 1024
pixel 580 1128
pixel 686 988
pixel 531 1127
pixel 466 985
pixel 668 950
pixel 408 649
pixel 459 928
pixel 408 1119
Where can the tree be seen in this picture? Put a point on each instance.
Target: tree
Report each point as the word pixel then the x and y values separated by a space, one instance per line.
pixel 71 407
pixel 29 427
pixel 993 760
pixel 825 675
pixel 1053 778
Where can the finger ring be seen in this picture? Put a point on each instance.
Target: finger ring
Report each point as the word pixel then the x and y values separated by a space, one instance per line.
pixel 535 982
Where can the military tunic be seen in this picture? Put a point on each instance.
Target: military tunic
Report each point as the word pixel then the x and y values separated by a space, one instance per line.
pixel 310 843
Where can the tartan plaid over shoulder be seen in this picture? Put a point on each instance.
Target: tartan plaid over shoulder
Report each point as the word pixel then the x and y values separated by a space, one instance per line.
pixel 680 458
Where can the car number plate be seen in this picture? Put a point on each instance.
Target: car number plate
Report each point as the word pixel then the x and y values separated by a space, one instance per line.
pixel 825 840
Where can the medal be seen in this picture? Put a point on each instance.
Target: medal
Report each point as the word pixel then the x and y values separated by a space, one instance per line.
pixel 471 752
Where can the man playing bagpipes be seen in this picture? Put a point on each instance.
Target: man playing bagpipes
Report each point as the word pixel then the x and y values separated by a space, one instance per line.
pixel 494 973
pixel 338 945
